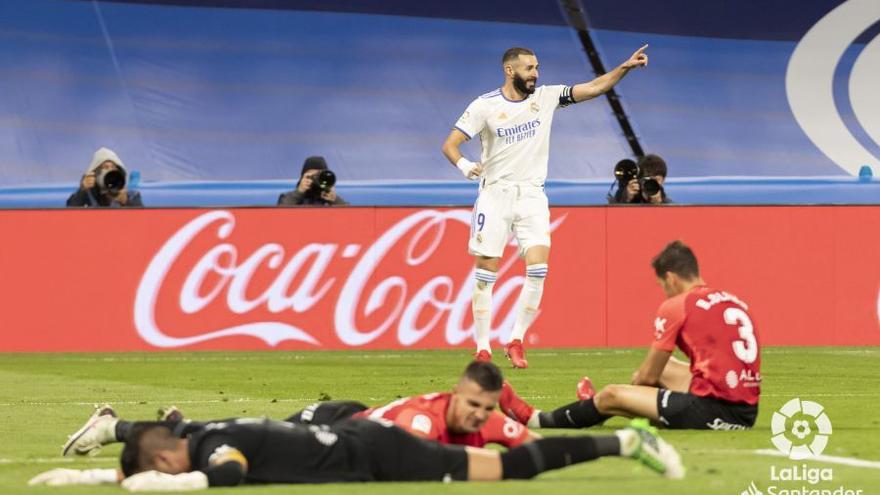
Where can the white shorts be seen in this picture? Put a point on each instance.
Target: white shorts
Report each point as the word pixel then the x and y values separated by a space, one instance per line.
pixel 504 209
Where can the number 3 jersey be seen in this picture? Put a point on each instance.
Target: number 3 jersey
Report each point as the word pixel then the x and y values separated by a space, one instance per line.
pixel 714 329
pixel 515 135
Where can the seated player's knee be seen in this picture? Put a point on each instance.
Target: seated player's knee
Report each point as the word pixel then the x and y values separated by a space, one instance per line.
pixel 607 398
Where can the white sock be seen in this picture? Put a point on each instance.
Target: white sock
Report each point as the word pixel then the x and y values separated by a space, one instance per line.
pixel 529 300
pixel 106 431
pixel 482 307
pixel 629 441
pixel 534 420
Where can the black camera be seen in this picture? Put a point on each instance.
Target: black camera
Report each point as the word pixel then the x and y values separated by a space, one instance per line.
pixel 627 170
pixel 321 183
pixel 110 180
pixel 650 187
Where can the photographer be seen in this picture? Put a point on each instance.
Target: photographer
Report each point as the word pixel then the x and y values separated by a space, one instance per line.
pixel 640 183
pixel 104 183
pixel 316 186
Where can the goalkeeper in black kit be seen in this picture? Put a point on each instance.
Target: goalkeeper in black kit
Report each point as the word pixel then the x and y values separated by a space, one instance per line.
pixel 161 457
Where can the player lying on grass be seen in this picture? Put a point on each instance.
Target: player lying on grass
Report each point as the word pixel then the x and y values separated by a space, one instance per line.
pixel 466 416
pixel 720 388
pixel 254 450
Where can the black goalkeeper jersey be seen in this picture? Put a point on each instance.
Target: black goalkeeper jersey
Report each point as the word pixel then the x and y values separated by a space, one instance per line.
pixel 282 452
pixel 349 450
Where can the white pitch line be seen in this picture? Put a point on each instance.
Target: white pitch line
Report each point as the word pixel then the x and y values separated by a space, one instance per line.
pixel 147 403
pixel 841 394
pixel 239 400
pixel 57 460
pixel 846 461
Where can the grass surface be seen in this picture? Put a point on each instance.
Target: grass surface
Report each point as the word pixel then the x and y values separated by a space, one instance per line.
pixel 44 397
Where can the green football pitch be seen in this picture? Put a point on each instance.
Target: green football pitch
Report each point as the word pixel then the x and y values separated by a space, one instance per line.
pixel 45 397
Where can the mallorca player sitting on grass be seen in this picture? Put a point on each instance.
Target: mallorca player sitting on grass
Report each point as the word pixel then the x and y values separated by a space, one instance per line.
pixel 713 328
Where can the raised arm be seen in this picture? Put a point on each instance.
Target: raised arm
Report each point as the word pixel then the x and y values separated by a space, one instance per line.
pixel 603 83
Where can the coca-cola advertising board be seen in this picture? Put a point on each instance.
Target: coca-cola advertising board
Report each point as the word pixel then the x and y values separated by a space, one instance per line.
pixel 397 278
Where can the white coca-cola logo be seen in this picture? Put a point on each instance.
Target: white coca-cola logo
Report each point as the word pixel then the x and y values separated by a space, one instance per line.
pixel 403 306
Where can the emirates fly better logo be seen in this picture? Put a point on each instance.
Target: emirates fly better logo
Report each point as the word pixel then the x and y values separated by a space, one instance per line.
pixel 800 429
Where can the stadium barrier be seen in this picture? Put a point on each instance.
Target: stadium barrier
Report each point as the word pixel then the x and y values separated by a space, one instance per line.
pixel 392 278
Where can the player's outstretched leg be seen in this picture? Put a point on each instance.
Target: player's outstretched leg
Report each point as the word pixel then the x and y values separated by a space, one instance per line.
pixel 631 401
pixel 482 310
pixel 104 427
pixel 580 414
pixel 639 441
pixel 98 430
pixel 327 412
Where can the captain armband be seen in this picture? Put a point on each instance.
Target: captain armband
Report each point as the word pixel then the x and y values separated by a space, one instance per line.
pixel 566 98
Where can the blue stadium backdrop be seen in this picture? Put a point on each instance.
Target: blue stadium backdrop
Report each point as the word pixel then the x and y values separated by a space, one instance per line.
pixel 218 102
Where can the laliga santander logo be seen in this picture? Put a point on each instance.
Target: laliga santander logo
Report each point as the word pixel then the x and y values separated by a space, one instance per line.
pixel 809 83
pixel 800 429
pixel 426 228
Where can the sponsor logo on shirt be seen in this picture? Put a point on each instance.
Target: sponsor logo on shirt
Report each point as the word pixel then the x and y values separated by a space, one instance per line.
pixel 519 132
pixel 659 327
pixel 732 379
pixel 421 423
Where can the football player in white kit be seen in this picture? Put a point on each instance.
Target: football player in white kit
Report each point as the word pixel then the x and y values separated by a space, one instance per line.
pixel 513 123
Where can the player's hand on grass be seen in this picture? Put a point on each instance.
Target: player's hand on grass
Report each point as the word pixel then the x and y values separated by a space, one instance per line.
pixel 67 477
pixel 638 59
pixel 154 481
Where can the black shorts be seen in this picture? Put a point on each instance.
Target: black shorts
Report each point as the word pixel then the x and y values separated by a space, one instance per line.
pixel 327 413
pixel 390 453
pixel 686 411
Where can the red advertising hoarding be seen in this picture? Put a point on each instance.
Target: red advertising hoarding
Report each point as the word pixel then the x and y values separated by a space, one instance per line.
pixel 393 278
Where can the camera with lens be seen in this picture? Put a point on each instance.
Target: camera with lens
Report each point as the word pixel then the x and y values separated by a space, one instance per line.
pixel 110 180
pixel 649 186
pixel 322 182
pixel 627 170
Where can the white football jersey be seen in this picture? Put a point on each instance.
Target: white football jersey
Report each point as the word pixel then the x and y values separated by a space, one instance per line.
pixel 515 135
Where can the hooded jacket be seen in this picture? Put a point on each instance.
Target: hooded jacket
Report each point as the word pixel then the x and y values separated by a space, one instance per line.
pixel 93 196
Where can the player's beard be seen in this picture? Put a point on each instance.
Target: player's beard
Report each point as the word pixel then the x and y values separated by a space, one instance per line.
pixel 521 86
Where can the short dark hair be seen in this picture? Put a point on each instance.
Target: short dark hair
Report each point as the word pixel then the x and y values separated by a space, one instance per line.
pixel 515 52
pixel 677 258
pixel 143 441
pixel 485 374
pixel 652 165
